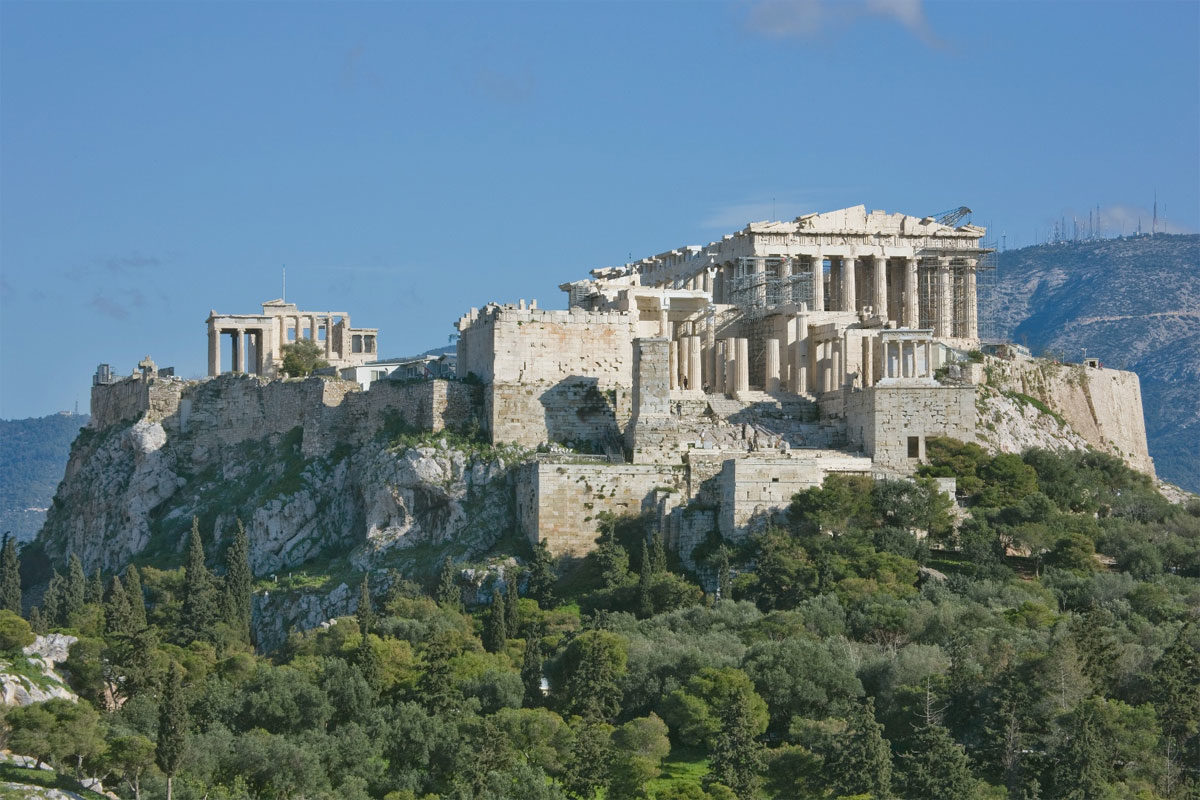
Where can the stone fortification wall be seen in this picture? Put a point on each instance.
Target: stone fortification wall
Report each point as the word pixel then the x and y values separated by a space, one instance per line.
pixel 1102 405
pixel 560 503
pixel 228 410
pixel 882 419
pixel 755 489
pixel 552 376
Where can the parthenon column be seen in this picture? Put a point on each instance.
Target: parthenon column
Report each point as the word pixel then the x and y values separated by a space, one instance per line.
pixel 972 307
pixel 673 363
pixel 912 311
pixel 835 364
pixel 848 295
pixel 730 365
pixel 214 350
pixel 868 362
pixel 879 294
pixel 694 376
pixel 785 280
pixel 743 366
pixel 771 379
pixel 681 367
pixel 759 282
pixel 328 337
pixel 818 282
pixel 297 318
pixel 942 322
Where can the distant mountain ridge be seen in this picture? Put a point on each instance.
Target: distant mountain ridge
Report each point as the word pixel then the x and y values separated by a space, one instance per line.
pixel 33 453
pixel 1134 303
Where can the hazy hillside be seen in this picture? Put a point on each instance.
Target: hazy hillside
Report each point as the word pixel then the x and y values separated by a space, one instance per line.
pixel 1135 304
pixel 33 454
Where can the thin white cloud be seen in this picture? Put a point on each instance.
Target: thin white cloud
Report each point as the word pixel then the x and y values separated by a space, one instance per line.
pixel 1116 219
pixel 808 19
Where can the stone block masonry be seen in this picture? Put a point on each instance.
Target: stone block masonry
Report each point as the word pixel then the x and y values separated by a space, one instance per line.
pixel 891 423
pixel 756 489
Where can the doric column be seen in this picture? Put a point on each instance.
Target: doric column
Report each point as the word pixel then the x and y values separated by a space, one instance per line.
pixel 928 359
pixel 709 272
pixel 673 364
pixel 282 322
pixel 730 365
pixel 685 346
pixel 771 381
pixel 743 366
pixel 868 363
pixel 694 374
pixel 329 337
pixel 818 282
pixel 664 326
pixel 297 318
pixel 847 293
pixel 709 376
pixel 785 280
pixel 835 372
pixel 879 297
pixel 758 281
pixel 972 306
pixel 912 312
pixel 942 320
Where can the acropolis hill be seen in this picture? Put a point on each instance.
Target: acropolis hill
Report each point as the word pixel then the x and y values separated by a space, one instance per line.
pixel 702 386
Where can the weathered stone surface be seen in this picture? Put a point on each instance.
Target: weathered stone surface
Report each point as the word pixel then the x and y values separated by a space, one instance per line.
pixel 45 653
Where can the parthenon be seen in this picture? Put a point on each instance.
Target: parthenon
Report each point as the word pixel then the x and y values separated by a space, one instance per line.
pixel 258 339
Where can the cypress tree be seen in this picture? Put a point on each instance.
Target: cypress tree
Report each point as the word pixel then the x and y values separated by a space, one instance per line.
pixel 239 584
pixel 448 594
pixel 861 762
pixel 36 621
pixel 737 757
pixel 936 766
pixel 76 590
pixel 512 612
pixel 645 581
pixel 531 667
pixel 368 662
pixel 199 603
pixel 541 575
pixel 95 588
pixel 172 727
pixel 658 555
pixel 10 576
pixel 117 615
pixel 365 613
pixel 54 599
pixel 137 600
pixel 495 632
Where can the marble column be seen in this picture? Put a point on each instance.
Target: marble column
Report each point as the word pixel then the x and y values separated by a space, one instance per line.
pixel 928 359
pixel 743 366
pixel 694 373
pixel 879 296
pixel 298 328
pixel 942 321
pixel 681 367
pixel 868 363
pixel 664 327
pixel 800 367
pixel 730 365
pixel 836 370
pixel 912 312
pixel 771 380
pixel 972 301
pixel 848 293
pixel 785 281
pixel 673 363
pixel 328 338
pixel 214 350
pixel 758 282
pixel 818 282
pixel 239 350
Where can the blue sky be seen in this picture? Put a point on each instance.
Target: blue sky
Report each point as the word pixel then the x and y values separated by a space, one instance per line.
pixel 406 161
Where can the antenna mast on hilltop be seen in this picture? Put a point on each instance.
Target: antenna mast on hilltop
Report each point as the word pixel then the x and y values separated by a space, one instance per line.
pixel 1154 224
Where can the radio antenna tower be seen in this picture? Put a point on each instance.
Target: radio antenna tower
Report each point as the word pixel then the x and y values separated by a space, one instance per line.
pixel 1154 224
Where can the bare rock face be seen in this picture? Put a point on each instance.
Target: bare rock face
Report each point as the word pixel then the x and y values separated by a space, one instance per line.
pixel 43 655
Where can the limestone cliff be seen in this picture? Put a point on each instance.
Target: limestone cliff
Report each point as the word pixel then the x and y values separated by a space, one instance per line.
pixel 327 489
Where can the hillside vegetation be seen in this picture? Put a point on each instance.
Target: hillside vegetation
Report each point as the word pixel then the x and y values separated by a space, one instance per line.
pixel 1134 303
pixel 1038 638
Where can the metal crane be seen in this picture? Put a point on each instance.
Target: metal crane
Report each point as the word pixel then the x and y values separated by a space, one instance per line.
pixel 953 216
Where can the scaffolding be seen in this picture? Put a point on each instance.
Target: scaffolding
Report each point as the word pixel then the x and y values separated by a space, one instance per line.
pixel 763 282
pixel 960 306
pixel 987 272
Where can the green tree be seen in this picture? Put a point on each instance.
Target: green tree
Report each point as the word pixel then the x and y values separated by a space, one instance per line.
pixel 137 599
pixel 695 710
pixel 1006 480
pixel 801 677
pixel 1175 688
pixel 58 731
pixel 541 575
pixel 512 596
pixel 495 630
pixel 37 621
pixel 638 748
pixel 448 592
pixel 118 617
pixel 588 766
pixel 239 584
pixel 95 588
pixel 531 667
pixel 54 600
pixel 15 632
pixel 129 757
pixel 586 677
pixel 786 574
pixel 860 761
pixel 737 755
pixel 75 594
pixel 436 687
pixel 10 576
pixel 302 357
pixel 365 613
pixel 936 766
pixel 199 613
pixel 369 662
pixel 172 727
pixel 645 607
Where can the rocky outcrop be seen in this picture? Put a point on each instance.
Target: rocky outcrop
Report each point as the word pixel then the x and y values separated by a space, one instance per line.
pixel 41 656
